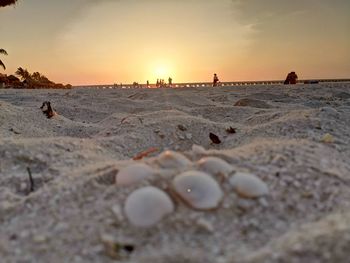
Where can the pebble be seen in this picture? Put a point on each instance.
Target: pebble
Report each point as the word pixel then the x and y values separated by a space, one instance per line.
pixel 327 138
pixel 205 224
pixel 188 136
pixel 181 127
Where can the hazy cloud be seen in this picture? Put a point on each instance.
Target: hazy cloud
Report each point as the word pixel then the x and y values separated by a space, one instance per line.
pixel 257 11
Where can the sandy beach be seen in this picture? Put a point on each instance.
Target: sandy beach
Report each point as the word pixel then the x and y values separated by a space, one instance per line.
pixel 294 138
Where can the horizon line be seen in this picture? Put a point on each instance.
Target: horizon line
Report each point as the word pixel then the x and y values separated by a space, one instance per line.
pixel 226 83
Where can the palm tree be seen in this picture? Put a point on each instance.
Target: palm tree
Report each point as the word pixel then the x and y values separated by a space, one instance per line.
pixel 2 51
pixel 44 79
pixel 36 76
pixel 40 78
pixel 23 74
pixel 4 3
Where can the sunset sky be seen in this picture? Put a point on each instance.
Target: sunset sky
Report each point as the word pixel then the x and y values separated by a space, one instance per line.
pixel 114 41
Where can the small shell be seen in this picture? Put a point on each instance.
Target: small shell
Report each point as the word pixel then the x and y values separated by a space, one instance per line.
pixel 133 174
pixel 147 206
pixel 248 185
pixel 173 160
pixel 197 189
pixel 197 149
pixel 215 166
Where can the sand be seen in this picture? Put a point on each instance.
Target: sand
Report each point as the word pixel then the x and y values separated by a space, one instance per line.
pixel 75 213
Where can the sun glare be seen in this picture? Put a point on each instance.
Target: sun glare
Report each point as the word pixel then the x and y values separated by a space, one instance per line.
pixel 162 71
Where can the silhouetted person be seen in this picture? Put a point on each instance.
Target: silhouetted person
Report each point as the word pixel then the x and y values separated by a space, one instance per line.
pixel 215 80
pixel 147 84
pixel 292 78
pixel 157 83
pixel 170 81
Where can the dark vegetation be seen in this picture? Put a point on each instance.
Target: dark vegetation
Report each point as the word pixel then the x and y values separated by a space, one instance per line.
pixel 26 80
pixel 4 3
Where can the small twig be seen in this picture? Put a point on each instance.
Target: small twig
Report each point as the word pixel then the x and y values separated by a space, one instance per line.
pixel 231 130
pixel 145 153
pixel 31 189
pixel 14 131
pixel 124 119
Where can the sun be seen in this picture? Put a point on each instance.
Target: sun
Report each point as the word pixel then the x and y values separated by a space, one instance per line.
pixel 162 71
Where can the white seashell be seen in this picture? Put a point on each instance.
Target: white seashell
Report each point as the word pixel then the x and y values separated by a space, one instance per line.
pixel 248 185
pixel 147 206
pixel 133 174
pixel 215 166
pixel 173 160
pixel 197 189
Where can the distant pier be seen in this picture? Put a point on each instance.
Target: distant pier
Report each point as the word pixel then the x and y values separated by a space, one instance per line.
pixel 209 84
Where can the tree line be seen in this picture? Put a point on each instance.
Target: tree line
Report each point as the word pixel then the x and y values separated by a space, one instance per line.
pixel 27 80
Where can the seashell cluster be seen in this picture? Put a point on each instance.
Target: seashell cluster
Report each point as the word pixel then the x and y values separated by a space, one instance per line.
pixel 133 174
pixel 198 186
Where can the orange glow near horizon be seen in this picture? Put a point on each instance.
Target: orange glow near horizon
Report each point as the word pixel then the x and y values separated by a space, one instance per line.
pixel 162 72
pixel 160 69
